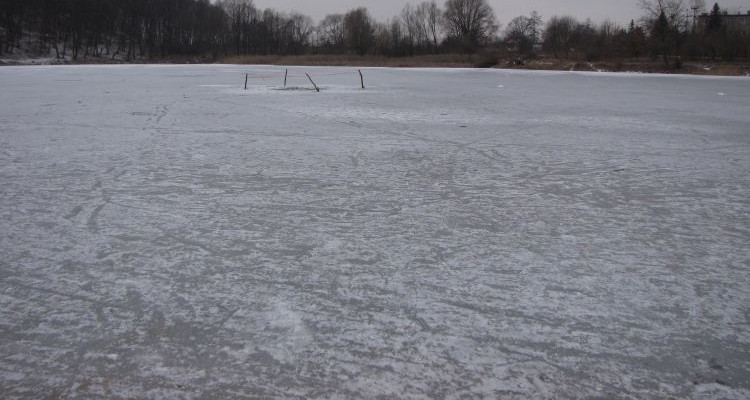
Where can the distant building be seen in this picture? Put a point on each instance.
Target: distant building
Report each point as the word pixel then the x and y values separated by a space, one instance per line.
pixel 736 23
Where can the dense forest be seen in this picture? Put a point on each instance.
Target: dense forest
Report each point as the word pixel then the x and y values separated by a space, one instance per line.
pixel 158 29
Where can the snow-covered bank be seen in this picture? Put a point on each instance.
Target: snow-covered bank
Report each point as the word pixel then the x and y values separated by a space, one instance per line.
pixel 165 233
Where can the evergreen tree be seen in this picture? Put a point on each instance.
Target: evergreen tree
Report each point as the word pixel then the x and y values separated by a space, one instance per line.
pixel 714 18
pixel 661 36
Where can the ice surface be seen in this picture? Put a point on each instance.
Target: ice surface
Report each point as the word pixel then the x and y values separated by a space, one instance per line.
pixel 166 234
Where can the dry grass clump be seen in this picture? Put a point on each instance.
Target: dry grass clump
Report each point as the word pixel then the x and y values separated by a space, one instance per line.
pixel 490 59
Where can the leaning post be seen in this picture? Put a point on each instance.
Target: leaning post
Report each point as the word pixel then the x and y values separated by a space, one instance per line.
pixel 317 89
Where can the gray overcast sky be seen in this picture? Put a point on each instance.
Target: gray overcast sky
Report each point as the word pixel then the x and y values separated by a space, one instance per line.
pixel 598 10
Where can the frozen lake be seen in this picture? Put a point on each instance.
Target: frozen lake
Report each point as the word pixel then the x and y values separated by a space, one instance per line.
pixel 483 233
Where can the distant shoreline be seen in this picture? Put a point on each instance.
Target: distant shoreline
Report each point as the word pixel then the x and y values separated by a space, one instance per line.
pixel 430 61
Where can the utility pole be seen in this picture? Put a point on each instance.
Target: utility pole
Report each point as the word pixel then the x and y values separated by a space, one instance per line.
pixel 695 9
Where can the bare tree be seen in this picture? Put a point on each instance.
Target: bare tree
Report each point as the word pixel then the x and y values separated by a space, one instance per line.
pixel 301 29
pixel 521 32
pixel 331 32
pixel 390 39
pixel 359 30
pixel 433 19
pixel 472 22
pixel 559 35
pixel 673 10
pixel 239 13
pixel 423 25
pixel 535 26
pixel 383 42
pixel 415 32
pixel 396 44
pixel 606 35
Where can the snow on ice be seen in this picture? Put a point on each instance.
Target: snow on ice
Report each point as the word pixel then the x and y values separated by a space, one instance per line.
pixel 165 233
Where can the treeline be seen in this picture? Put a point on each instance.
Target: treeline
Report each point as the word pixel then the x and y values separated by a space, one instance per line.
pixel 131 28
pixel 148 29
pixel 160 28
pixel 671 30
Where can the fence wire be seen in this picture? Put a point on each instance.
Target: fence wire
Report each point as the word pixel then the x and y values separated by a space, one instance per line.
pixel 281 75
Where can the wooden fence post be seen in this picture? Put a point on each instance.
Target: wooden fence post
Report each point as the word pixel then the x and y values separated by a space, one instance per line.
pixel 245 81
pixel 361 79
pixel 286 73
